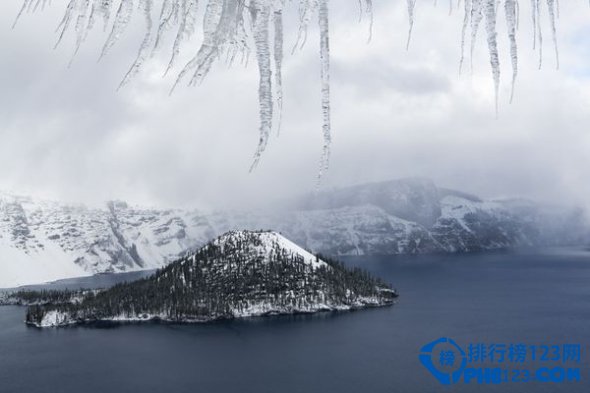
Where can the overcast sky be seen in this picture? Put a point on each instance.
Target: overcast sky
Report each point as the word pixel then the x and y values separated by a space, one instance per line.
pixel 66 133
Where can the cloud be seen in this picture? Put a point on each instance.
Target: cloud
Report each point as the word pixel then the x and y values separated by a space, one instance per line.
pixel 66 133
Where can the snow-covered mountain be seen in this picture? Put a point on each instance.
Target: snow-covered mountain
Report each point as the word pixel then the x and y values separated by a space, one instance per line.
pixel 43 240
pixel 239 274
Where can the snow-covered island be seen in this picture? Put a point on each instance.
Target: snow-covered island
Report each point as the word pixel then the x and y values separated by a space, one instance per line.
pixel 240 274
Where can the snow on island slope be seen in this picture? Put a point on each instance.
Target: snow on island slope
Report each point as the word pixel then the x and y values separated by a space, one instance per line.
pixel 240 274
pixel 267 242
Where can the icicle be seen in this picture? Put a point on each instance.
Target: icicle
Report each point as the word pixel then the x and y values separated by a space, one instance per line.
pixel 306 9
pixel 81 25
pixel 540 36
pixel 551 9
pixel 463 31
pixel 325 76
pixel 411 5
pixel 66 20
pixel 102 8
pixel 239 43
pixel 224 33
pixel 92 17
pixel 260 18
pixel 476 18
pixel 219 26
pixel 105 10
pixel 119 25
pixel 490 11
pixel 278 58
pixel 145 45
pixel 360 10
pixel 30 7
pixel 369 10
pixel 42 3
pixel 26 4
pixel 168 12
pixel 510 10
pixel 188 13
pixel 534 15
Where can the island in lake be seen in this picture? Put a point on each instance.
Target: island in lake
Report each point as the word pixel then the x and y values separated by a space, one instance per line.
pixel 239 274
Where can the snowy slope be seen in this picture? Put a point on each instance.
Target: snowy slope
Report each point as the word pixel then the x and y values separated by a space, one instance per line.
pixel 42 240
pixel 471 225
pixel 263 243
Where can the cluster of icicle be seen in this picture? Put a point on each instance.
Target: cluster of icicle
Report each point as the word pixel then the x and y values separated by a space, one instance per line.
pixel 477 12
pixel 230 27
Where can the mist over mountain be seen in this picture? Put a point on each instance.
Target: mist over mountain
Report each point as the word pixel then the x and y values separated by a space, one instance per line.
pixel 44 240
pixel 414 200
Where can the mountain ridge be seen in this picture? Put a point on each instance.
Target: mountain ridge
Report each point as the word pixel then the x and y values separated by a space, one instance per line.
pixel 44 241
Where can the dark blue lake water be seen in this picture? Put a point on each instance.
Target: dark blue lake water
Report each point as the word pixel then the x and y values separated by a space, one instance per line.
pixel 536 299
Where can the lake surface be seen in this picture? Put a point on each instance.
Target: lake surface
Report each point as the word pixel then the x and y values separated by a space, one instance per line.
pixel 533 298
